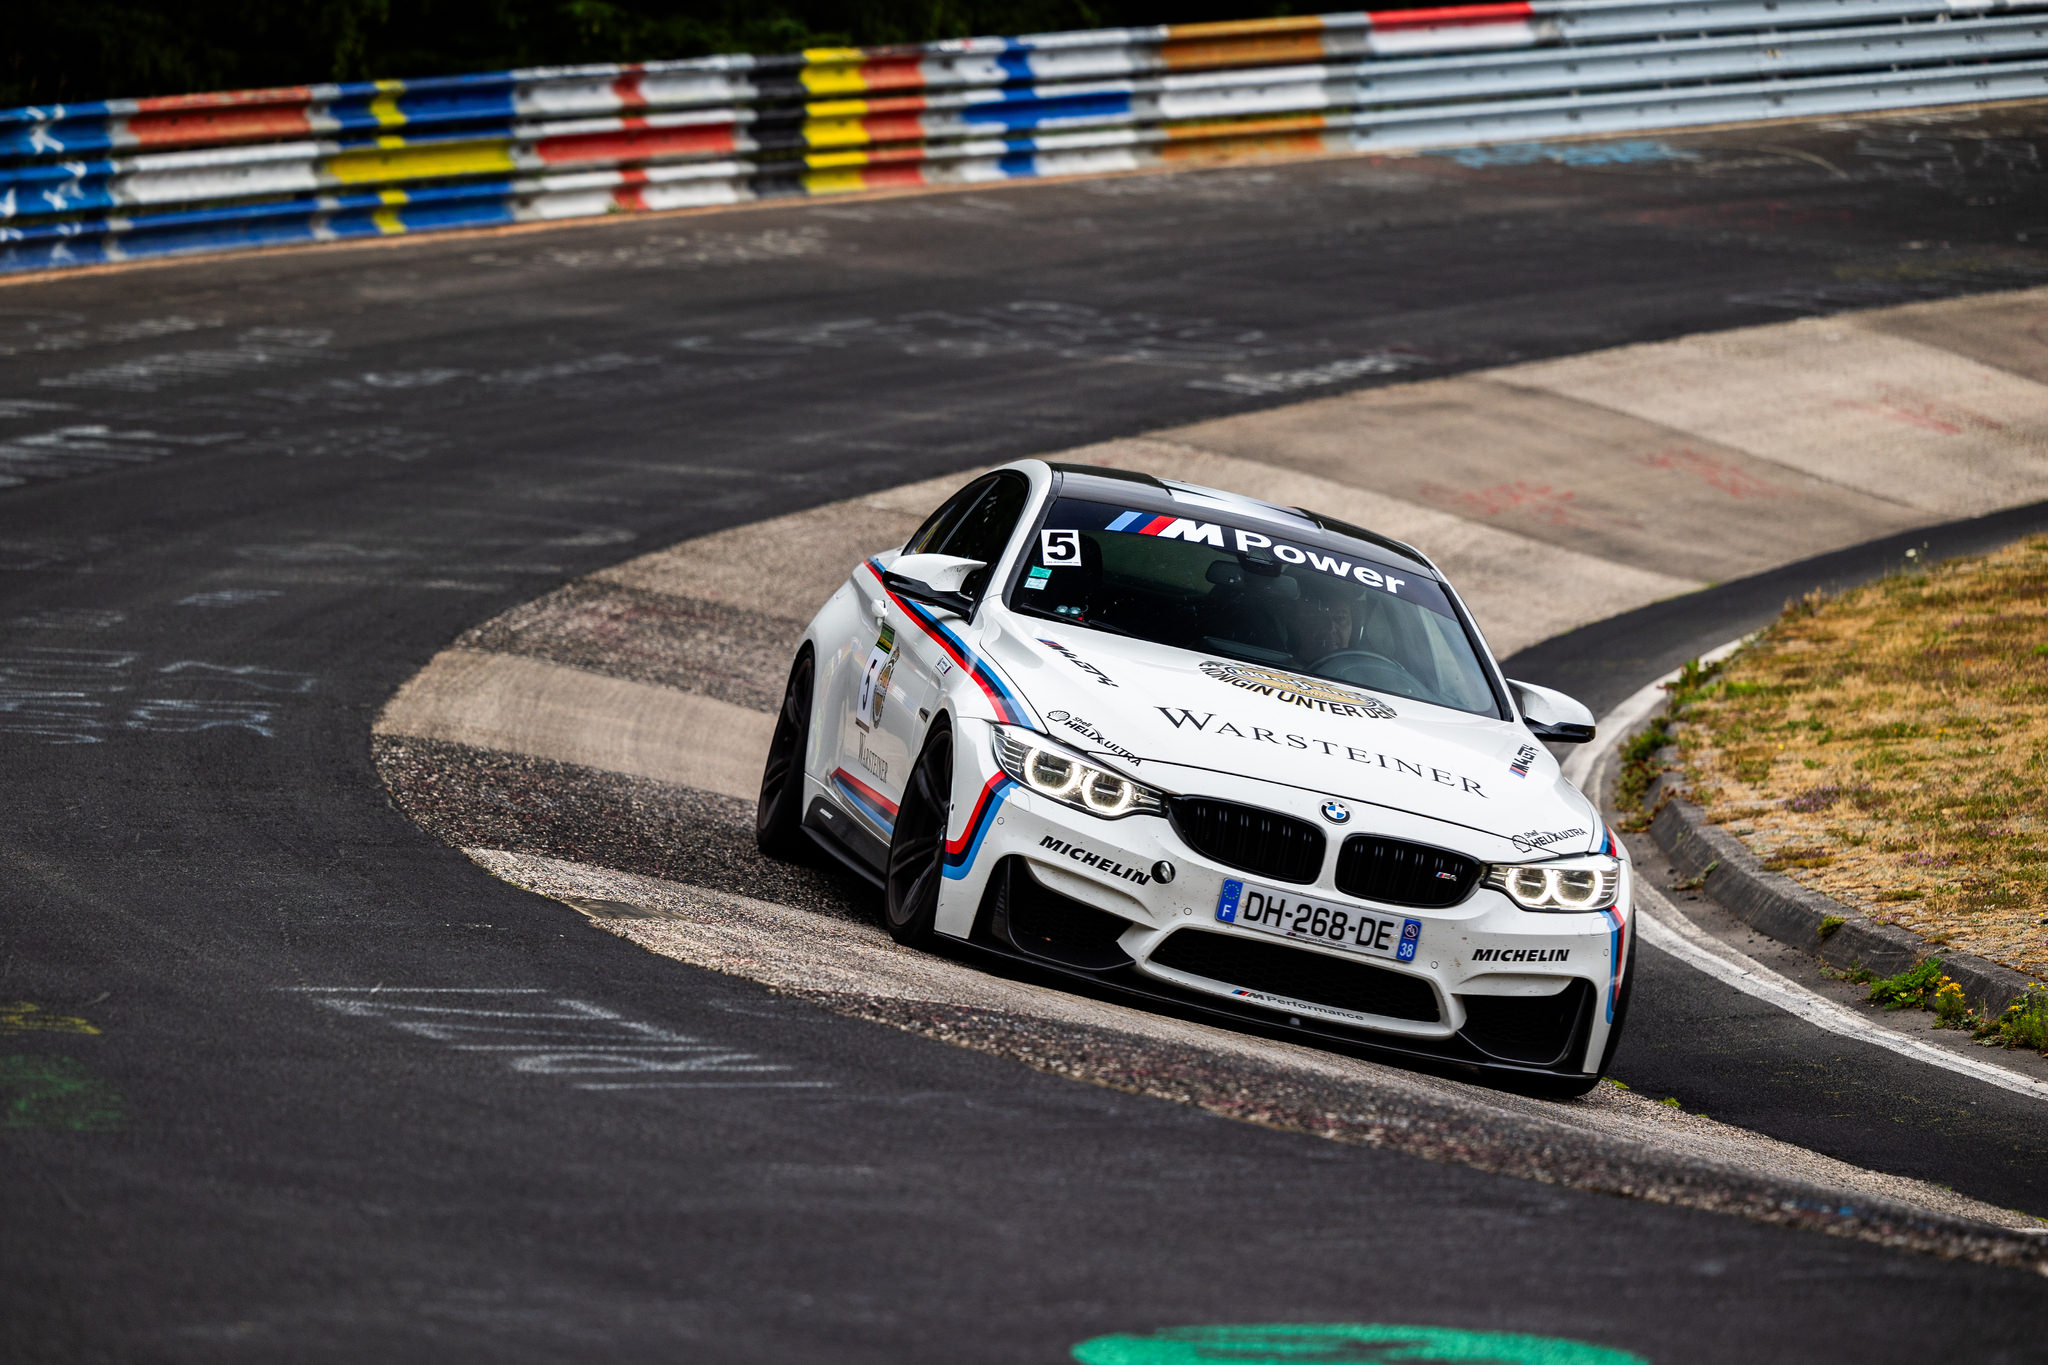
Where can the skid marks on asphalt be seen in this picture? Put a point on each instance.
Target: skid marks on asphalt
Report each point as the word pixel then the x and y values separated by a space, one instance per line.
pixel 534 1032
pixel 1611 1141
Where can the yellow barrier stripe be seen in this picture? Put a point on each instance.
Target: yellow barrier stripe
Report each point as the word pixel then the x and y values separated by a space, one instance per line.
pixel 417 163
pixel 834 56
pixel 1242 28
pixel 834 182
pixel 387 222
pixel 1214 128
pixel 384 109
pixel 836 132
pixel 836 109
pixel 827 160
pixel 394 196
pixel 833 80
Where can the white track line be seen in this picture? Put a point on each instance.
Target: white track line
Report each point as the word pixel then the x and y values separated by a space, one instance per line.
pixel 1666 928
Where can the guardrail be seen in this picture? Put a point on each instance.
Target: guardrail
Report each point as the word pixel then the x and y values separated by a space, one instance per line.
pixel 127 179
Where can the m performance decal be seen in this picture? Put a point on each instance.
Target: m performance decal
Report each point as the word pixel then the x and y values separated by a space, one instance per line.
pixel 1001 699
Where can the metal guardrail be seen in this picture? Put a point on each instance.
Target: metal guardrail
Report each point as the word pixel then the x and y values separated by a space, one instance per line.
pixel 128 179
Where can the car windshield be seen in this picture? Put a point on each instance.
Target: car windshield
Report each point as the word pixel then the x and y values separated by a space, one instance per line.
pixel 1300 598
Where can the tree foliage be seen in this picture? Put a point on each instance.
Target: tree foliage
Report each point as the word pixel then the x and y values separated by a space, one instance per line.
pixel 72 50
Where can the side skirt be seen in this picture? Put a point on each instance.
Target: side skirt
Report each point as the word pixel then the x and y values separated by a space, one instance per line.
pixel 840 835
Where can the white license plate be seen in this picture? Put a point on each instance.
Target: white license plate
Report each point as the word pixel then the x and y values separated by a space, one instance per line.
pixel 1287 915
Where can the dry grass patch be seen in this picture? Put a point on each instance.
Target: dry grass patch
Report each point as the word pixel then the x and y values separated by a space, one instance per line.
pixel 1888 747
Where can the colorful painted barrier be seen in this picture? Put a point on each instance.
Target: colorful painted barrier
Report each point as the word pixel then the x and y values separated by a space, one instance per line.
pixel 127 179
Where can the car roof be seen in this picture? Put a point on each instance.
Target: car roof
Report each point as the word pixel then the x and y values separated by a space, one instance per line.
pixel 1112 485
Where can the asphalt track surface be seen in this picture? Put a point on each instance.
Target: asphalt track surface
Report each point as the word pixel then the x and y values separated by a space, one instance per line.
pixel 260 493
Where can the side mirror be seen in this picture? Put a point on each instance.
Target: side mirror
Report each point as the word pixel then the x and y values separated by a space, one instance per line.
pixel 934 580
pixel 1552 715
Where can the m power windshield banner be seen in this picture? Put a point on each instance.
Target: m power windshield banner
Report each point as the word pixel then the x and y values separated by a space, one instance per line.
pixel 1321 554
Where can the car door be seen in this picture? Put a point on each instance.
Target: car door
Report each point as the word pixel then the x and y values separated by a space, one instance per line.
pixel 906 672
pixel 875 748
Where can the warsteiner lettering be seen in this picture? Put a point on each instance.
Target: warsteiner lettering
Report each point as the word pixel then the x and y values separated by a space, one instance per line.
pixel 1180 717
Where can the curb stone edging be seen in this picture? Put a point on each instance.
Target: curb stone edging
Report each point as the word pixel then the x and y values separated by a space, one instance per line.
pixel 1792 914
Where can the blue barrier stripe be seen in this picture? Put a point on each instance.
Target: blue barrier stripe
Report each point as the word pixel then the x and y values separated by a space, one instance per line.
pixel 284 208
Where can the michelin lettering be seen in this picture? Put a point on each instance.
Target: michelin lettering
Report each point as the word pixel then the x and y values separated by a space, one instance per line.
pixel 1100 862
pixel 1521 954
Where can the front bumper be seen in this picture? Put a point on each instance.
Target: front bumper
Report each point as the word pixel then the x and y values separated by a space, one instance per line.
pixel 1490 984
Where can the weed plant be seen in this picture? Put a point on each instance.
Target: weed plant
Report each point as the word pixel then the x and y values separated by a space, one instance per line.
pixel 1924 986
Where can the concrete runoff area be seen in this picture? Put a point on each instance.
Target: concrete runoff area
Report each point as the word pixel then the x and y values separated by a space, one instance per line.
pixel 255 496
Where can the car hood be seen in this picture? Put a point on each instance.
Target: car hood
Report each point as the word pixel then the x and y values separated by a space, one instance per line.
pixel 1144 708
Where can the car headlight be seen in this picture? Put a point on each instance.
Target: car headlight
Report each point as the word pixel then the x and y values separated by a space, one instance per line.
pixel 1070 779
pixel 1567 887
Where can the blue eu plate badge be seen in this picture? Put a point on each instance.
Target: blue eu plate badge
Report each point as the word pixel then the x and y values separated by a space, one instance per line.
pixel 1226 904
pixel 1411 938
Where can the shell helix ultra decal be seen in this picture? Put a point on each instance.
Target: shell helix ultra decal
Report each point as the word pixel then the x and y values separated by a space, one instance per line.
pixel 1342 1343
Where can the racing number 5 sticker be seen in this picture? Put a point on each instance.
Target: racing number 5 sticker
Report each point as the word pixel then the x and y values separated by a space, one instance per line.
pixel 874 682
pixel 1059 549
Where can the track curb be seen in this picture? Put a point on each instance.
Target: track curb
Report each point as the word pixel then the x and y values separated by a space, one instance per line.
pixel 1775 905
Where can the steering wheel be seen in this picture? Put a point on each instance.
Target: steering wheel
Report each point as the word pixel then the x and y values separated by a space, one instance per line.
pixel 1332 664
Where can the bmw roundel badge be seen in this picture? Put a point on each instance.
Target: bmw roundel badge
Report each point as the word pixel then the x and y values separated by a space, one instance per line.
pixel 1336 812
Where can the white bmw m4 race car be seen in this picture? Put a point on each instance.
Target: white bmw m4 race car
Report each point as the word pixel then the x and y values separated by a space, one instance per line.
pixel 1206 749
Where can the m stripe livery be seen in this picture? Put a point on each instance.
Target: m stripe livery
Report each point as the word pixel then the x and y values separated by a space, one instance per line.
pixel 1000 698
pixel 961 852
pixel 866 799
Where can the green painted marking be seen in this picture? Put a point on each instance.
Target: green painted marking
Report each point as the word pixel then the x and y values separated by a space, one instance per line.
pixel 57 1092
pixel 23 1016
pixel 1341 1343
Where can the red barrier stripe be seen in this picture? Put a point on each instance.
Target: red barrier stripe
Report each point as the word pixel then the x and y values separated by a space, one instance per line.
pixel 1449 15
pixel 893 177
pixel 893 73
pixel 226 125
pixel 626 89
pixel 284 94
pixel 892 104
pixel 634 144
pixel 894 128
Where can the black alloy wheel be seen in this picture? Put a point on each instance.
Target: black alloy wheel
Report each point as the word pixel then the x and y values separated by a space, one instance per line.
pixel 917 852
pixel 779 817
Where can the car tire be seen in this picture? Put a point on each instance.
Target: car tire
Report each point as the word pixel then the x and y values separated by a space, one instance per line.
pixel 917 850
pixel 779 816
